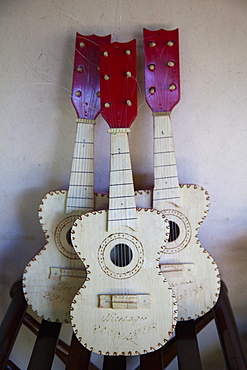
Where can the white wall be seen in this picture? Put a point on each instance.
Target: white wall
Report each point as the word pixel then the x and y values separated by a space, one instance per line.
pixel 209 124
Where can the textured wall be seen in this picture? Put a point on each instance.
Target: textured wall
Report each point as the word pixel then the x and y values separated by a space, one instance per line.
pixel 38 129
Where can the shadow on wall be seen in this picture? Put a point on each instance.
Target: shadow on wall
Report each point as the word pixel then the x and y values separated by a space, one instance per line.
pixel 19 249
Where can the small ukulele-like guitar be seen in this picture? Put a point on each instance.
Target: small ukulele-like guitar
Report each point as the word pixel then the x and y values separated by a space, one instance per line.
pixel 188 267
pixel 124 307
pixel 54 275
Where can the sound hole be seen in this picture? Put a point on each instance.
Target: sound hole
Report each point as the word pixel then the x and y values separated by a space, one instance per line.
pixel 68 237
pixel 121 255
pixel 174 231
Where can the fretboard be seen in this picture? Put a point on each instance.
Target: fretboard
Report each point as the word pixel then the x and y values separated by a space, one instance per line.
pixel 122 206
pixel 81 186
pixel 166 186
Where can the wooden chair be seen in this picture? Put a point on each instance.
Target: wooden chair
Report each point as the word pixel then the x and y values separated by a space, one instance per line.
pixel 74 356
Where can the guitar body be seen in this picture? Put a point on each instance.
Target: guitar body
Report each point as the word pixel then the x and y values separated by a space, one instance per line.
pixel 54 275
pixel 187 266
pixel 126 308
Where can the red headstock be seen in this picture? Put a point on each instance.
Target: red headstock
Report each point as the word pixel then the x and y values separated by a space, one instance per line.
pixel 86 79
pixel 118 86
pixel 162 86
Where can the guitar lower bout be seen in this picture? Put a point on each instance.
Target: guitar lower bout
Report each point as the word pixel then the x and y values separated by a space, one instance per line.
pixel 130 308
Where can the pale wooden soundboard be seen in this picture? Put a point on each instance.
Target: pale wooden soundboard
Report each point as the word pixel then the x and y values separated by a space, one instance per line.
pixel 129 309
pixel 55 273
pixel 188 267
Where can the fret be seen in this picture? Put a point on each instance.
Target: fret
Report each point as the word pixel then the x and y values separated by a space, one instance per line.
pixel 122 203
pixel 81 172
pixel 166 186
pixel 121 169
pixel 81 186
pixel 127 219
pixel 118 153
pixel 116 209
pixel 163 137
pixel 123 184
pixel 122 207
pixel 80 198
pixel 122 196
pixel 167 199
pixel 81 207
pixel 165 152
pixel 84 142
pixel 172 187
pixel 165 165
pixel 166 177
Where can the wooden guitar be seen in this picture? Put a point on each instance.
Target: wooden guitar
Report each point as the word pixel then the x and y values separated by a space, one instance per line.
pixel 54 275
pixel 124 307
pixel 188 267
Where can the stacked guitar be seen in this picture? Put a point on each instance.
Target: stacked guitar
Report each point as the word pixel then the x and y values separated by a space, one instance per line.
pixel 124 267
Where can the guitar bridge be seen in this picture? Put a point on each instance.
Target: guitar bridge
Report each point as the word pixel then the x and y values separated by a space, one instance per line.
pixel 124 301
pixel 177 269
pixel 66 274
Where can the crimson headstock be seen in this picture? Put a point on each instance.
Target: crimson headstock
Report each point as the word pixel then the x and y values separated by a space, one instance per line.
pixel 162 85
pixel 118 85
pixel 86 79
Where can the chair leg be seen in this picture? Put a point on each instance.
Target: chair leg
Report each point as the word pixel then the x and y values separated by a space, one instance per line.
pixel 152 360
pixel 79 356
pixel 233 352
pixel 114 362
pixel 11 366
pixel 187 346
pixel 46 343
pixel 11 323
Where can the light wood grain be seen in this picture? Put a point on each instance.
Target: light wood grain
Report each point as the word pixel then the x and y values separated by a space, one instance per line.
pixel 122 331
pixel 189 268
pixel 122 206
pixel 124 327
pixel 55 274
pixel 166 186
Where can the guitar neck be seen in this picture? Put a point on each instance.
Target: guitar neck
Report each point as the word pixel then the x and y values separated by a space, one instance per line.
pixel 122 206
pixel 162 94
pixel 81 186
pixel 85 98
pixel 166 185
pixel 118 91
